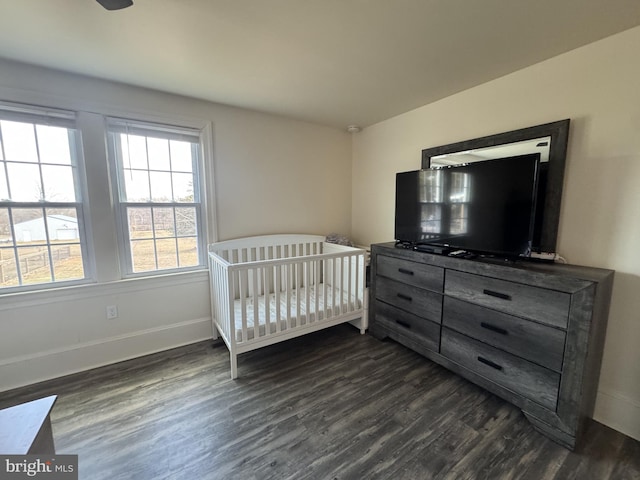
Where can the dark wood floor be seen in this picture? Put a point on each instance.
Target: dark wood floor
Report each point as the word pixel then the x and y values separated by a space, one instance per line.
pixel 331 405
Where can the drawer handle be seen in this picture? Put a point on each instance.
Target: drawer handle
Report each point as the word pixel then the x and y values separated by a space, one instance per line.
pixel 493 328
pixel 405 271
pixel 405 297
pixel 493 293
pixel 403 324
pixel 490 363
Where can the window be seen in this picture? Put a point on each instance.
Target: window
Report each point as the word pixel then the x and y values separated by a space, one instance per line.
pixel 159 202
pixel 42 237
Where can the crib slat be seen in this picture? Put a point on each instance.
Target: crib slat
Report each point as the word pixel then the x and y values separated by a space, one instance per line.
pixel 298 299
pixel 267 300
pixel 256 305
pixel 277 290
pixel 350 259
pixel 260 285
pixel 325 281
pixel 307 291
pixel 316 286
pixel 334 287
pixel 243 283
pixel 342 269
pixel 289 279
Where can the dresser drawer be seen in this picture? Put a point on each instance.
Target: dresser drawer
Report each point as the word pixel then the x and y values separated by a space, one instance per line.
pixel 423 303
pixel 545 306
pixel 520 376
pixel 409 325
pixel 524 338
pixel 412 273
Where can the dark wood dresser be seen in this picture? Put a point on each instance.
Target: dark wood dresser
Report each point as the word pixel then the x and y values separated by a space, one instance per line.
pixel 532 333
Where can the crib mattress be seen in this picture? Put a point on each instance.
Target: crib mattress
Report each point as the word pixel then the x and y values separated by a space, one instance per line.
pixel 298 314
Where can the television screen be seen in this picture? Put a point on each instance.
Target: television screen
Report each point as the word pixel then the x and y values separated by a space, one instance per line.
pixel 486 207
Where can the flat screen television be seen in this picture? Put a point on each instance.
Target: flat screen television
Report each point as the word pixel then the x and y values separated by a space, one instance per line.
pixel 482 207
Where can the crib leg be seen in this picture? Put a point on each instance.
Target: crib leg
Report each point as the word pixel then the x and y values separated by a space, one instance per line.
pixel 234 366
pixel 363 326
pixel 364 321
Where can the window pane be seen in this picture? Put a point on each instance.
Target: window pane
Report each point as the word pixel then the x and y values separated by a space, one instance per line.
pixel 8 270
pixel 134 151
pixel 183 187
pixel 158 153
pixel 123 143
pixel 181 159
pixel 160 186
pixel 58 183
pixel 63 225
pixel 6 238
pixel 143 255
pixel 136 185
pixel 67 262
pixel 163 222
pixel 167 256
pixel 1 149
pixel 19 141
pixel 4 191
pixel 53 143
pixel 186 221
pixel 188 251
pixel 24 181
pixel 140 224
pixel 29 226
pixel 34 264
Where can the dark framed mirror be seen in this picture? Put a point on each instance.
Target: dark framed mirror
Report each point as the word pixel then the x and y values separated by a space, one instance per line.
pixel 549 140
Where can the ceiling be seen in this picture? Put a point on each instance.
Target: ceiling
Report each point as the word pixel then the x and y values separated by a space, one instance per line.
pixel 334 62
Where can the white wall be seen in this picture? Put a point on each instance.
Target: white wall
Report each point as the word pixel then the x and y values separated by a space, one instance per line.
pixel 272 175
pixel 598 87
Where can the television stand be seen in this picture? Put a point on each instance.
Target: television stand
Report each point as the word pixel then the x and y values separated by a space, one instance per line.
pixel 531 333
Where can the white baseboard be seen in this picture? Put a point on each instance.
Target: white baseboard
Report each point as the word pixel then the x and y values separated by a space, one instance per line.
pixel 618 412
pixel 28 369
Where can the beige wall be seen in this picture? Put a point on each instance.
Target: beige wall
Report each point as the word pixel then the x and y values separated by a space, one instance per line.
pixel 272 175
pixel 598 87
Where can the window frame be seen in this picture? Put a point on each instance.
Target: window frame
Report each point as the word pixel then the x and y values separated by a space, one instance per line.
pixel 115 126
pixel 38 115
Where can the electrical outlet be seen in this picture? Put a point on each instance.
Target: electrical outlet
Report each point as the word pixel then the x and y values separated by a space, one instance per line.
pixel 112 312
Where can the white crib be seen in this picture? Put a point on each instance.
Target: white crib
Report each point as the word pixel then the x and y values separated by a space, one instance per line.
pixel 272 288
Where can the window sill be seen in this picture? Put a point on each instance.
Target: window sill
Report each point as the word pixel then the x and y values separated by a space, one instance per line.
pixel 53 294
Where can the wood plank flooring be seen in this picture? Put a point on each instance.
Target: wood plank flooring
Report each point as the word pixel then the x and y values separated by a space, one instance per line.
pixel 331 405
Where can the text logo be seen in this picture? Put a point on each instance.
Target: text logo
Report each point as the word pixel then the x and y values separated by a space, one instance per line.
pixel 50 467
